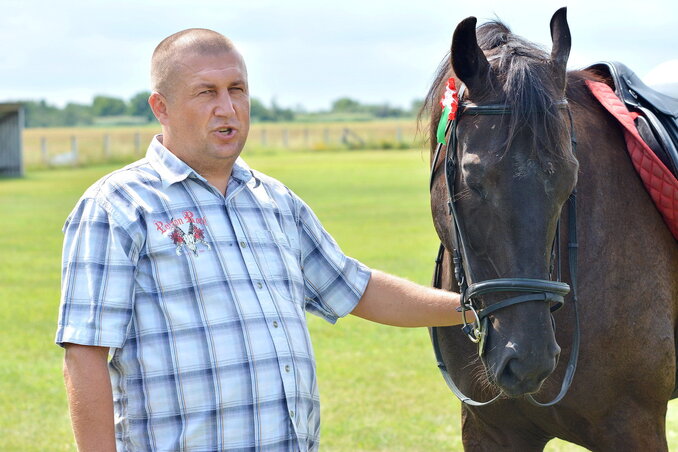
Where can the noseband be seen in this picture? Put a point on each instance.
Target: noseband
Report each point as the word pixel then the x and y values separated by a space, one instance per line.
pixel 549 291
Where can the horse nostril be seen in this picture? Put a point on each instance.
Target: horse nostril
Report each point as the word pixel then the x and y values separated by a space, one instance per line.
pixel 518 377
pixel 513 368
pixel 507 376
pixel 555 350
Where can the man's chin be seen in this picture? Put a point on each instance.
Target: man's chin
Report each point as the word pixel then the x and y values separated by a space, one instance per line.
pixel 230 152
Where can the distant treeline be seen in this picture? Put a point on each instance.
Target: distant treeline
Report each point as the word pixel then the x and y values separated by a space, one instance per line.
pixel 107 110
pixel 42 114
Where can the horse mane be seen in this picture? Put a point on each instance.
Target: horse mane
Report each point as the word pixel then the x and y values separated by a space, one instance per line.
pixel 524 73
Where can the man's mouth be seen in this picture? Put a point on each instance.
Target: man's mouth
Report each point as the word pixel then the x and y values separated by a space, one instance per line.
pixel 226 131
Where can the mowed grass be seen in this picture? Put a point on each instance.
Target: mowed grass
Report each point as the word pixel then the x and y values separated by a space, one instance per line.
pixel 380 388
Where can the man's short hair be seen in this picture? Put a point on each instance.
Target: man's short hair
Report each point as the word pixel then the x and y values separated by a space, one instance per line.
pixel 164 62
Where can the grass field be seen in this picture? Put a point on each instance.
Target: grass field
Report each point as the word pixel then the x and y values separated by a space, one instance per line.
pixel 380 388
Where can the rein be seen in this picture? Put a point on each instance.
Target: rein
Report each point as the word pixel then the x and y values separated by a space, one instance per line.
pixel 552 292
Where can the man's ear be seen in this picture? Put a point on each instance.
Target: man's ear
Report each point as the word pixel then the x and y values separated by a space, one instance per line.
pixel 158 104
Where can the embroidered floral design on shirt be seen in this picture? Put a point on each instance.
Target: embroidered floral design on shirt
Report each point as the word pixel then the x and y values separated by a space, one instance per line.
pixel 180 238
pixel 189 239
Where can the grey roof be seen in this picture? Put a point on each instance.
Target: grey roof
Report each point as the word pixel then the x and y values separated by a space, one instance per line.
pixel 9 107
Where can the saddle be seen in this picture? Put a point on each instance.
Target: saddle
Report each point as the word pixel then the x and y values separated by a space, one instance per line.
pixel 657 120
pixel 649 122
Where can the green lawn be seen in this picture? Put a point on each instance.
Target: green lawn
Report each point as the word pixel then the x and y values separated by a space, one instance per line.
pixel 380 388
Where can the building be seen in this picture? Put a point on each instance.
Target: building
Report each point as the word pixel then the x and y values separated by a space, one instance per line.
pixel 11 129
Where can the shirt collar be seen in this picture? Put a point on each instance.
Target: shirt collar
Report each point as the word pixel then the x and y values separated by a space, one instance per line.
pixel 172 169
pixel 241 171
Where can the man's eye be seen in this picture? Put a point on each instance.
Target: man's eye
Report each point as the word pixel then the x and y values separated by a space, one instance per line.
pixel 207 91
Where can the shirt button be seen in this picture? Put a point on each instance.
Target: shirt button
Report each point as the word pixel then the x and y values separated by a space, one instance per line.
pixel 287 368
pixel 259 285
pixel 275 324
pixel 243 245
pixel 291 413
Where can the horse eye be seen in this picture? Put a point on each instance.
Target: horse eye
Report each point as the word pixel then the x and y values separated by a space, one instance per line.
pixel 549 168
pixel 473 172
pixel 475 184
pixel 477 189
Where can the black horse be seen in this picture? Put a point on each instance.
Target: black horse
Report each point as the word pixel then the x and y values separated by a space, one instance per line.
pixel 516 169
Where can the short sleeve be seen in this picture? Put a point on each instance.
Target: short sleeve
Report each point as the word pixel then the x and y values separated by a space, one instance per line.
pixel 97 278
pixel 333 282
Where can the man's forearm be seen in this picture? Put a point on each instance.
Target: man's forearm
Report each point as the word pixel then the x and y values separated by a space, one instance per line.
pixel 90 397
pixel 395 301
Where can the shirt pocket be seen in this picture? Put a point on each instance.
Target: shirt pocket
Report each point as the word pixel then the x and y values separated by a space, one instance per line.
pixel 280 264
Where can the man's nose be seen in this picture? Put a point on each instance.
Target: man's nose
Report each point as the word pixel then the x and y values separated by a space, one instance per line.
pixel 224 105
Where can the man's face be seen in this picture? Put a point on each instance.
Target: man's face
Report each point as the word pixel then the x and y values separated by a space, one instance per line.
pixel 208 109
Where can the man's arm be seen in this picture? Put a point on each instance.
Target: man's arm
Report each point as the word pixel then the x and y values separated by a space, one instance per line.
pixel 395 301
pixel 90 397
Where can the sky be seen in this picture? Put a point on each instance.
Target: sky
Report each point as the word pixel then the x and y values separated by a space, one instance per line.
pixel 306 52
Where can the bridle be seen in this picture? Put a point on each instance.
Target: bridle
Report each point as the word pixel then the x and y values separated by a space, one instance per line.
pixel 552 292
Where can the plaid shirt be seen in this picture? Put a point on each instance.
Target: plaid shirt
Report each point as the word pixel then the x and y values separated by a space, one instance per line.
pixel 202 299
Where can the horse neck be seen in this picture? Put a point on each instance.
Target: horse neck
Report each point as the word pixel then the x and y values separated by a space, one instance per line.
pixel 612 201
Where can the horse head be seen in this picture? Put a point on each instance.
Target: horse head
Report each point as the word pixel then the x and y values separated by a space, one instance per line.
pixel 514 171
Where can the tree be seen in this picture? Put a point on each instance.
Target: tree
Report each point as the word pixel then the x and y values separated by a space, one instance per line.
pixel 281 114
pixel 108 106
pixel 346 105
pixel 385 111
pixel 138 106
pixel 41 114
pixel 258 111
pixel 77 114
pixel 416 106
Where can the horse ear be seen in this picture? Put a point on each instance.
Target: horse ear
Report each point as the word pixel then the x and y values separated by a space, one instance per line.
pixel 562 41
pixel 468 60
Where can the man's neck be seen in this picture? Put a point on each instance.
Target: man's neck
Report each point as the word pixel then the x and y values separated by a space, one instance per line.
pixel 216 172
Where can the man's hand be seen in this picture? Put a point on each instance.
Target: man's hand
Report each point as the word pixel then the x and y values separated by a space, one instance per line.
pixel 395 301
pixel 90 397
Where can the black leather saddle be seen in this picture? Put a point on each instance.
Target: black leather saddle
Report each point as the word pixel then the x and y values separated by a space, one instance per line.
pixel 658 120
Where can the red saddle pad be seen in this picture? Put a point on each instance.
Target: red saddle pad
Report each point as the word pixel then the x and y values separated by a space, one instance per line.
pixel 659 182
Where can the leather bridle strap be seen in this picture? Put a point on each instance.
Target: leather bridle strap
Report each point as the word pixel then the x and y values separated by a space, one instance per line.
pixel 572 250
pixel 539 296
pixel 443 369
pixel 538 290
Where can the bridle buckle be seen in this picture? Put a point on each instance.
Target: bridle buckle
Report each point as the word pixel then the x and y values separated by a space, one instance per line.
pixel 473 330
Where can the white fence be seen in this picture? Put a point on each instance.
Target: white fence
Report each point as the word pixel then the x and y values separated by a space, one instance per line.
pixel 81 146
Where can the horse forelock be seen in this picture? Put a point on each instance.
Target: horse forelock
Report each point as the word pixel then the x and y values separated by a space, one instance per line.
pixel 524 72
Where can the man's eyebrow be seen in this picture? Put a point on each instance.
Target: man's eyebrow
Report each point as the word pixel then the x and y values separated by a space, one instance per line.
pixel 200 85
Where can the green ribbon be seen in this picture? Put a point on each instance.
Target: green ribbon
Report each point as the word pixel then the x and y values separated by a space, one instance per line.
pixel 442 125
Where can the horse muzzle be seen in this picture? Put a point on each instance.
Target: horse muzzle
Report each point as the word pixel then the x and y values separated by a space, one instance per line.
pixel 522 370
pixel 519 363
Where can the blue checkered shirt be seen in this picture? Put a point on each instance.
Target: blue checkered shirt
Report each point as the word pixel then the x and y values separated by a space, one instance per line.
pixel 202 299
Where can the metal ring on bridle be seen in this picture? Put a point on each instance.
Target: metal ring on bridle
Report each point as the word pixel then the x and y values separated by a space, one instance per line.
pixel 472 330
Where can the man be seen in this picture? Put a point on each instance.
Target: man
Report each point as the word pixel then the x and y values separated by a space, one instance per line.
pixel 195 273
